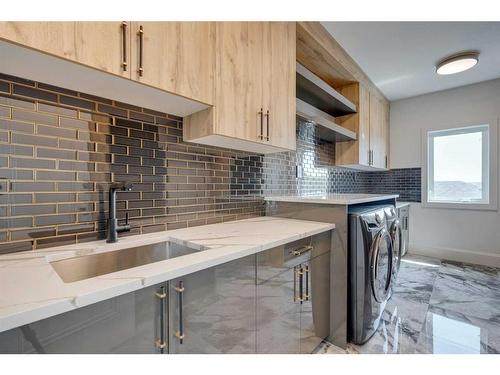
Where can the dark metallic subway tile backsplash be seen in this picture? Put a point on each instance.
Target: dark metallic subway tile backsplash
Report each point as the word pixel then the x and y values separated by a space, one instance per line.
pixel 60 150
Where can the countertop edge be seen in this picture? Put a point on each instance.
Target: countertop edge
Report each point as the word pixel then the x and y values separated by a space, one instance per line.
pixel 332 201
pixel 404 204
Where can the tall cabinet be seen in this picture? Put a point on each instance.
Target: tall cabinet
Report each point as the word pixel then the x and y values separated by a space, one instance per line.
pixel 254 90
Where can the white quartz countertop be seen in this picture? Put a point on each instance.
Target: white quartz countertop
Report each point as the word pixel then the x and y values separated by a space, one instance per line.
pixel 403 204
pixel 31 290
pixel 344 199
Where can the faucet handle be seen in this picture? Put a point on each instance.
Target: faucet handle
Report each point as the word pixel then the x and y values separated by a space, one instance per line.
pixel 125 227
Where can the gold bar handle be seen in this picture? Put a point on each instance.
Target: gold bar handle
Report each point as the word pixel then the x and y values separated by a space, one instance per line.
pixel 297 274
pixel 141 42
pixel 261 114
pixel 306 275
pixel 180 333
pixel 302 250
pixel 161 342
pixel 267 121
pixel 124 46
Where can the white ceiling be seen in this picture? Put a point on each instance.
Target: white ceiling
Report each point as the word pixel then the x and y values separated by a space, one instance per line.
pixel 400 57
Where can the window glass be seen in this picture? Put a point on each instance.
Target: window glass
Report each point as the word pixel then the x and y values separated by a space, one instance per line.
pixel 458 165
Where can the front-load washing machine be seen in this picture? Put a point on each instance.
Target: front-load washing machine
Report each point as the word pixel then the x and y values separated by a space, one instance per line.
pixel 370 272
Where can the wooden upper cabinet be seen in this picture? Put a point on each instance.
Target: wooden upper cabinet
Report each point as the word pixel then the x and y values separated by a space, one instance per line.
pixel 255 89
pixel 239 80
pixel 371 123
pixel 279 83
pixel 101 45
pixel 176 56
pixel 364 133
pixel 379 132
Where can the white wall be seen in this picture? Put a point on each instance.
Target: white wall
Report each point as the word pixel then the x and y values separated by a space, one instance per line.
pixel 463 235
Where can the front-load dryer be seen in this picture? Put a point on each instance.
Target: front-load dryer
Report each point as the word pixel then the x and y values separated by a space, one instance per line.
pixel 396 233
pixel 370 270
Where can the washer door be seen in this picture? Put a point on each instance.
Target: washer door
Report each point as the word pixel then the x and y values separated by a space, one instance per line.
pixel 381 265
pixel 397 245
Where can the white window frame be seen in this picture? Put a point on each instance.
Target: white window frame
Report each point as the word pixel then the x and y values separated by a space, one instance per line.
pixel 492 174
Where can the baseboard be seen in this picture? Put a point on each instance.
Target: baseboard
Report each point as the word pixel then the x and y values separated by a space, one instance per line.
pixel 459 255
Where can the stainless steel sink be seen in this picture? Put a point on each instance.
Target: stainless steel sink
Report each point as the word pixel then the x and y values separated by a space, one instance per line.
pixel 87 266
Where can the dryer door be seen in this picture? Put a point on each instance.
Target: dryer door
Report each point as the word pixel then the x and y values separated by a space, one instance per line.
pixel 397 246
pixel 381 264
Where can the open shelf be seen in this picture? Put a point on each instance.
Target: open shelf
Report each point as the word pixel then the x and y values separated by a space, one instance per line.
pixel 326 128
pixel 313 90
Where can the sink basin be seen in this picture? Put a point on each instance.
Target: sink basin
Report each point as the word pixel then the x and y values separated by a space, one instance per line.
pixel 87 266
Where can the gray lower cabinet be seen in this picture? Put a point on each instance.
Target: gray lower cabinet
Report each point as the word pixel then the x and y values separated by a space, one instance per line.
pixel 213 310
pixel 276 301
pixel 126 324
pixel 314 317
pixel 278 313
pixel 293 286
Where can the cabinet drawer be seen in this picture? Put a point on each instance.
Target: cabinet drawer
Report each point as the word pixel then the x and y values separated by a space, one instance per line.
pixel 272 262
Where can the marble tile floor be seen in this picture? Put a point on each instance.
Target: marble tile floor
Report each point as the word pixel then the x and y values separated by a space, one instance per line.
pixel 439 307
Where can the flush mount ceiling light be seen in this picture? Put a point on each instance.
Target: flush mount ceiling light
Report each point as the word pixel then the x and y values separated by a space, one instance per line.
pixel 457 63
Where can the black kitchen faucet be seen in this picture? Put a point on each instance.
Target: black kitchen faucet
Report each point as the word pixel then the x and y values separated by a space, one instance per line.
pixel 113 227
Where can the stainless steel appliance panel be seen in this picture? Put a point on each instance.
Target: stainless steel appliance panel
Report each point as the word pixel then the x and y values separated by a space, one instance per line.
pixel 370 271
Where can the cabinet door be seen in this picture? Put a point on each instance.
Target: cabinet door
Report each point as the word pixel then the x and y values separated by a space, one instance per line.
pixel 124 324
pixel 278 311
pixel 279 84
pixel 101 45
pixel 379 132
pixel 239 47
pixel 278 308
pixel 364 134
pixel 314 309
pixel 176 56
pixel 385 118
pixel 355 152
pixel 213 310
